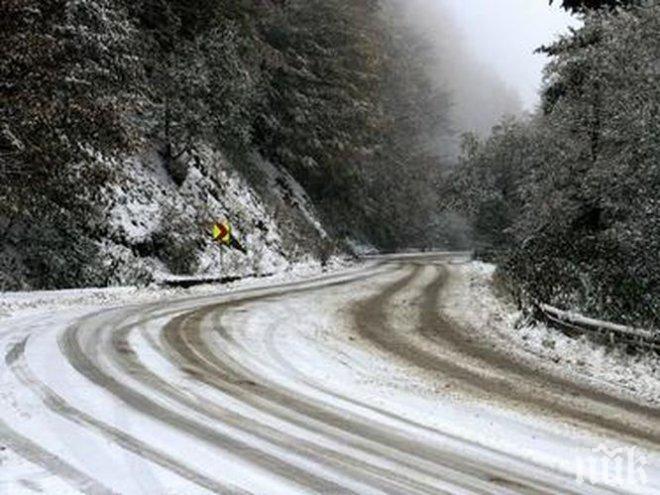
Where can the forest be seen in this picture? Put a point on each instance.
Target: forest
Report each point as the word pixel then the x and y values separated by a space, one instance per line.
pixel 338 94
pixel 334 92
pixel 568 198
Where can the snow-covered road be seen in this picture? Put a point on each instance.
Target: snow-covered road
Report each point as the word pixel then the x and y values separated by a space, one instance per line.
pixel 355 382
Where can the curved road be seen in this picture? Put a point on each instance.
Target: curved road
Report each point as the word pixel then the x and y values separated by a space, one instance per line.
pixel 339 384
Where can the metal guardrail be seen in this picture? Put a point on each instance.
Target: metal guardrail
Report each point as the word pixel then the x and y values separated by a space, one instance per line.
pixel 187 282
pixel 636 337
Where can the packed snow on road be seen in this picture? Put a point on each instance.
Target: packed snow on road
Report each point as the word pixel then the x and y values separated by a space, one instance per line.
pixel 390 376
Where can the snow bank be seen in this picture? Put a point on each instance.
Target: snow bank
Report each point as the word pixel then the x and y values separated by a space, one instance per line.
pixel 18 304
pixel 611 368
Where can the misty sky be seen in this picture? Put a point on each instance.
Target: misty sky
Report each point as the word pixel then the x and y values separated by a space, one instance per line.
pixel 504 33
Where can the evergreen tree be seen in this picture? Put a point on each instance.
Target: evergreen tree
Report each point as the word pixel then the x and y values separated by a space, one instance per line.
pixel 583 6
pixel 405 170
pixel 319 111
pixel 70 79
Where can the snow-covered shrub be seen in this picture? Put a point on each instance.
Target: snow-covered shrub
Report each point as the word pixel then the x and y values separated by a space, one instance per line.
pixel 177 243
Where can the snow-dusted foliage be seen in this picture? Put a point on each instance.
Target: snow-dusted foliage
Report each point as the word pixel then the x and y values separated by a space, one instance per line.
pixel 573 195
pixel 205 90
pixel 88 84
pixel 68 73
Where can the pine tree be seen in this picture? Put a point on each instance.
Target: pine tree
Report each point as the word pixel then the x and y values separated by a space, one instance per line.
pixel 317 117
pixel 583 6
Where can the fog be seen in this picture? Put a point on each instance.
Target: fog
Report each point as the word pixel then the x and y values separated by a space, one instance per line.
pixel 483 53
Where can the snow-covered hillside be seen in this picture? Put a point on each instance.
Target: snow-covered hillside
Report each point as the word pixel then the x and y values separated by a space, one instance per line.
pixel 158 218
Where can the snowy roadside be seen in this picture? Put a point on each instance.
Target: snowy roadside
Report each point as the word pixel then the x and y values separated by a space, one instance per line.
pixel 18 304
pixel 606 368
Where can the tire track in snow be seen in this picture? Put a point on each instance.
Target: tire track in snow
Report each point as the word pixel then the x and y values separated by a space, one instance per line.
pixel 15 359
pixel 32 452
pixel 202 432
pixel 240 387
pixel 445 465
pixel 513 382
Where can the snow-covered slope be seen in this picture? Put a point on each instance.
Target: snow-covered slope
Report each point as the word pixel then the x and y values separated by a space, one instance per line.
pixel 158 218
